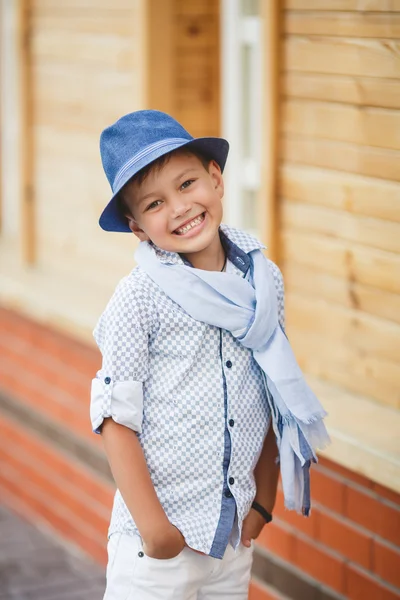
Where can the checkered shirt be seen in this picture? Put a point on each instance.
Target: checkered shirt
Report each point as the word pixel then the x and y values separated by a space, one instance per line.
pixel 181 384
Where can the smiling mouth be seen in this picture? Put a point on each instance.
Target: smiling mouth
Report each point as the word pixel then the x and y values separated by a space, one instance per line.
pixel 185 228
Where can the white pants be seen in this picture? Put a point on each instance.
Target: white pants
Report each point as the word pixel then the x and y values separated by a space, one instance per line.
pixel 131 575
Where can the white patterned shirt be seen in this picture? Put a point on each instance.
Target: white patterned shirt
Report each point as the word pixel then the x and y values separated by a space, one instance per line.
pixel 194 395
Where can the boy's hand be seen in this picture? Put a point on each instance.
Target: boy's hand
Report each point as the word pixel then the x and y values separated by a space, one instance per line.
pixel 252 526
pixel 170 544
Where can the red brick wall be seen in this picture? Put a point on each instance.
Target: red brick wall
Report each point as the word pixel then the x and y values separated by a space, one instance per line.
pixel 351 542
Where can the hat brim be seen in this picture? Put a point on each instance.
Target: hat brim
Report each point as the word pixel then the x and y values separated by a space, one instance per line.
pixel 216 149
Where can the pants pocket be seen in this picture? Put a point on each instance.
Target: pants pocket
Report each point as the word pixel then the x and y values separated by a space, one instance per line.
pixel 122 559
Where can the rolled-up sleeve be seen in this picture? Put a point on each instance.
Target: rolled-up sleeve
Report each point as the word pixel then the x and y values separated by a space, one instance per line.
pixel 122 335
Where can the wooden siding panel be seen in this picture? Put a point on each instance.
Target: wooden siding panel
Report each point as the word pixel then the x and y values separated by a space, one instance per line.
pixel 355 194
pixel 343 259
pixel 348 5
pixel 341 156
pixel 343 56
pixel 342 291
pixel 360 91
pixel 332 121
pixel 347 366
pixel 374 233
pixel 88 71
pixel 347 327
pixel 348 24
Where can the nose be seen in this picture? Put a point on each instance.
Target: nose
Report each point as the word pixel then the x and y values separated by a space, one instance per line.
pixel 179 207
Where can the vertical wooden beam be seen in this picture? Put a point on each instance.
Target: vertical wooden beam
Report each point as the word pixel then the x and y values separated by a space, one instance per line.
pixel 160 55
pixel 27 158
pixel 271 15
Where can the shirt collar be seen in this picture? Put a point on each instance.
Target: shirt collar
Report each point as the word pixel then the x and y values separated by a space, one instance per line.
pixel 237 245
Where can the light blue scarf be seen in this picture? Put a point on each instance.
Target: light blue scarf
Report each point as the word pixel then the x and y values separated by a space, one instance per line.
pixel 248 309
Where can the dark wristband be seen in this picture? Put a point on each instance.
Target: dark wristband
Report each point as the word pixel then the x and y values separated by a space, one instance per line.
pixel 264 513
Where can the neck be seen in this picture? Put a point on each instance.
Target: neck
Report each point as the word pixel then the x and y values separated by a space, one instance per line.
pixel 211 258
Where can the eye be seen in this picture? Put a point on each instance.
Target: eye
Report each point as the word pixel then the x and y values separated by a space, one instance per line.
pixel 186 184
pixel 153 204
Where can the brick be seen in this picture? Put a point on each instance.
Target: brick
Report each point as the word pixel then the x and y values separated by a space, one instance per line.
pixel 360 585
pixel 82 506
pixel 386 493
pixel 376 515
pixel 320 563
pixel 278 538
pixel 48 458
pixel 328 490
pixel 345 473
pixel 386 562
pixel 45 399
pixel 347 539
pixel 307 525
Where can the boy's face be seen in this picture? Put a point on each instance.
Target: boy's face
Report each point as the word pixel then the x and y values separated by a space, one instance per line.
pixel 178 208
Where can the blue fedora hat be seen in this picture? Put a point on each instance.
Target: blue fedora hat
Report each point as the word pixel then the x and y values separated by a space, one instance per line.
pixel 136 140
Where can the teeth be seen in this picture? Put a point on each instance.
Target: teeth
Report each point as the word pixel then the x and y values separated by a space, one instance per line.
pixel 190 225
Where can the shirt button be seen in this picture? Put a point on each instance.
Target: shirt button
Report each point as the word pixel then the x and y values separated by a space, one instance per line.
pixel 228 364
pixel 107 380
pixel 228 494
pixel 231 480
pixel 140 554
pixel 231 422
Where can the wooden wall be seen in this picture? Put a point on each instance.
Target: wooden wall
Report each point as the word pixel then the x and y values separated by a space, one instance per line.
pixel 90 63
pixel 339 192
pixel 184 62
pixel 87 70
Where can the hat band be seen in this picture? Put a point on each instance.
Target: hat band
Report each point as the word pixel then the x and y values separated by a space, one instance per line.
pixel 142 154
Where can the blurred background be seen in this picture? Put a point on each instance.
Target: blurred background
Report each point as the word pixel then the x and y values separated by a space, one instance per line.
pixel 308 94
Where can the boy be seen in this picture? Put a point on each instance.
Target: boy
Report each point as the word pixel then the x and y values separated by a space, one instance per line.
pixel 192 376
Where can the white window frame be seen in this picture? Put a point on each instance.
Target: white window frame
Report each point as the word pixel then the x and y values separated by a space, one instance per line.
pixel 242 173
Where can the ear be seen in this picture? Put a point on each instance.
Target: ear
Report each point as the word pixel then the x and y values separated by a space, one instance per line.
pixel 216 176
pixel 134 227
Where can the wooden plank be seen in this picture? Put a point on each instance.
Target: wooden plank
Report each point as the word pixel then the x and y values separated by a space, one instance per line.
pixel 94 5
pixel 375 233
pixel 362 91
pixel 368 335
pixel 347 24
pixel 195 46
pixel 342 191
pixel 195 7
pixel 332 121
pixel 28 213
pixel 197 33
pixel 304 279
pixel 121 23
pixel 81 101
pixel 98 51
pixel 268 207
pixel 359 264
pixel 341 364
pixel 342 56
pixel 342 156
pixel 356 5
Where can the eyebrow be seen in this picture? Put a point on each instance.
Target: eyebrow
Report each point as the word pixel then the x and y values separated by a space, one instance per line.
pixel 175 179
